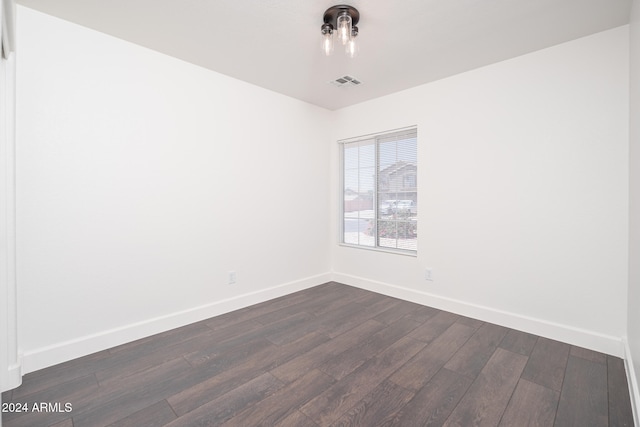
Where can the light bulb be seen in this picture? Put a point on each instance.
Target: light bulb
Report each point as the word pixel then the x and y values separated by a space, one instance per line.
pixel 352 47
pixel 327 39
pixel 344 28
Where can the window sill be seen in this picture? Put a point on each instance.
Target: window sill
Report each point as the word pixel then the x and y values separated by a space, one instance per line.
pixel 413 254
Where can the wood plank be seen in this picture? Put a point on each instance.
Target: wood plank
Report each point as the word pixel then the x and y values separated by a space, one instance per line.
pixel 158 414
pixel 296 419
pixel 434 326
pixel 219 410
pixel 475 353
pixel 339 398
pixel 123 365
pixel 270 306
pixel 231 333
pixel 117 400
pixel 620 412
pixel 102 405
pixel 208 389
pixel 547 363
pixel 32 419
pixel 55 375
pixel 585 353
pixel 531 405
pixel 282 403
pixel 487 398
pixel 222 356
pixel 473 323
pixel 298 323
pixel 433 404
pixel 367 298
pixel 64 423
pixel 348 293
pixel 136 359
pixel 333 326
pixel 414 374
pixel 308 305
pixel 62 390
pixel 302 364
pixel 423 314
pixel 72 391
pixel 583 400
pixel 156 342
pixel 397 312
pixel 321 310
pixel 519 342
pixel 327 324
pixel 377 408
pixel 348 361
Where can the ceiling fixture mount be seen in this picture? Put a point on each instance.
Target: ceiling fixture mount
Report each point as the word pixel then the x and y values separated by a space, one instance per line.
pixel 341 19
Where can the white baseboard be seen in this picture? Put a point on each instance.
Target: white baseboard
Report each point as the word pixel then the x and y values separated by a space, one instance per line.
pixel 580 337
pixel 40 358
pixel 632 379
pixel 13 377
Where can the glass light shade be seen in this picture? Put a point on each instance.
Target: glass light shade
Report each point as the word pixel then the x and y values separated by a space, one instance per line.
pixel 344 28
pixel 327 42
pixel 352 48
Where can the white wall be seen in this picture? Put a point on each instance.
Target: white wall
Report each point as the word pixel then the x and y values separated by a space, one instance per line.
pixel 10 375
pixel 143 180
pixel 523 182
pixel 633 323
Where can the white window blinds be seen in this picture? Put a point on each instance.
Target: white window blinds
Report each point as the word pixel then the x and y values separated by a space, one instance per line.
pixel 380 194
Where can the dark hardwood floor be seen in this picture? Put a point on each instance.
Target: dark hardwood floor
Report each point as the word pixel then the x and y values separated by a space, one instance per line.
pixel 332 355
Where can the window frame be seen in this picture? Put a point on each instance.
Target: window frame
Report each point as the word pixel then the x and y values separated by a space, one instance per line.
pixel 377 138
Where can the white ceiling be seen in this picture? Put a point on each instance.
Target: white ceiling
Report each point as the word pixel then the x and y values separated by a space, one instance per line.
pixel 275 44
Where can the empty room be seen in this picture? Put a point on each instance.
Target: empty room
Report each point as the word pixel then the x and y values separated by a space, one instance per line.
pixel 309 213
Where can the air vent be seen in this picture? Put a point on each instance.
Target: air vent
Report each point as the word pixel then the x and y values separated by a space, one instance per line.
pixel 345 81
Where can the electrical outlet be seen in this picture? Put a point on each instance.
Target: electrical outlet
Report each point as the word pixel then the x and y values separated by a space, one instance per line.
pixel 232 277
pixel 428 275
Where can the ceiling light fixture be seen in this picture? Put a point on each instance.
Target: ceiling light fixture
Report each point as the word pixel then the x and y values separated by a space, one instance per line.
pixel 341 19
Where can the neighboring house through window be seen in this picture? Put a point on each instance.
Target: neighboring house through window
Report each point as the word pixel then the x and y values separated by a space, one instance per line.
pixel 380 191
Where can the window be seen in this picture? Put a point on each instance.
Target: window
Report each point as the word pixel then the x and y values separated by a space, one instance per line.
pixel 380 192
